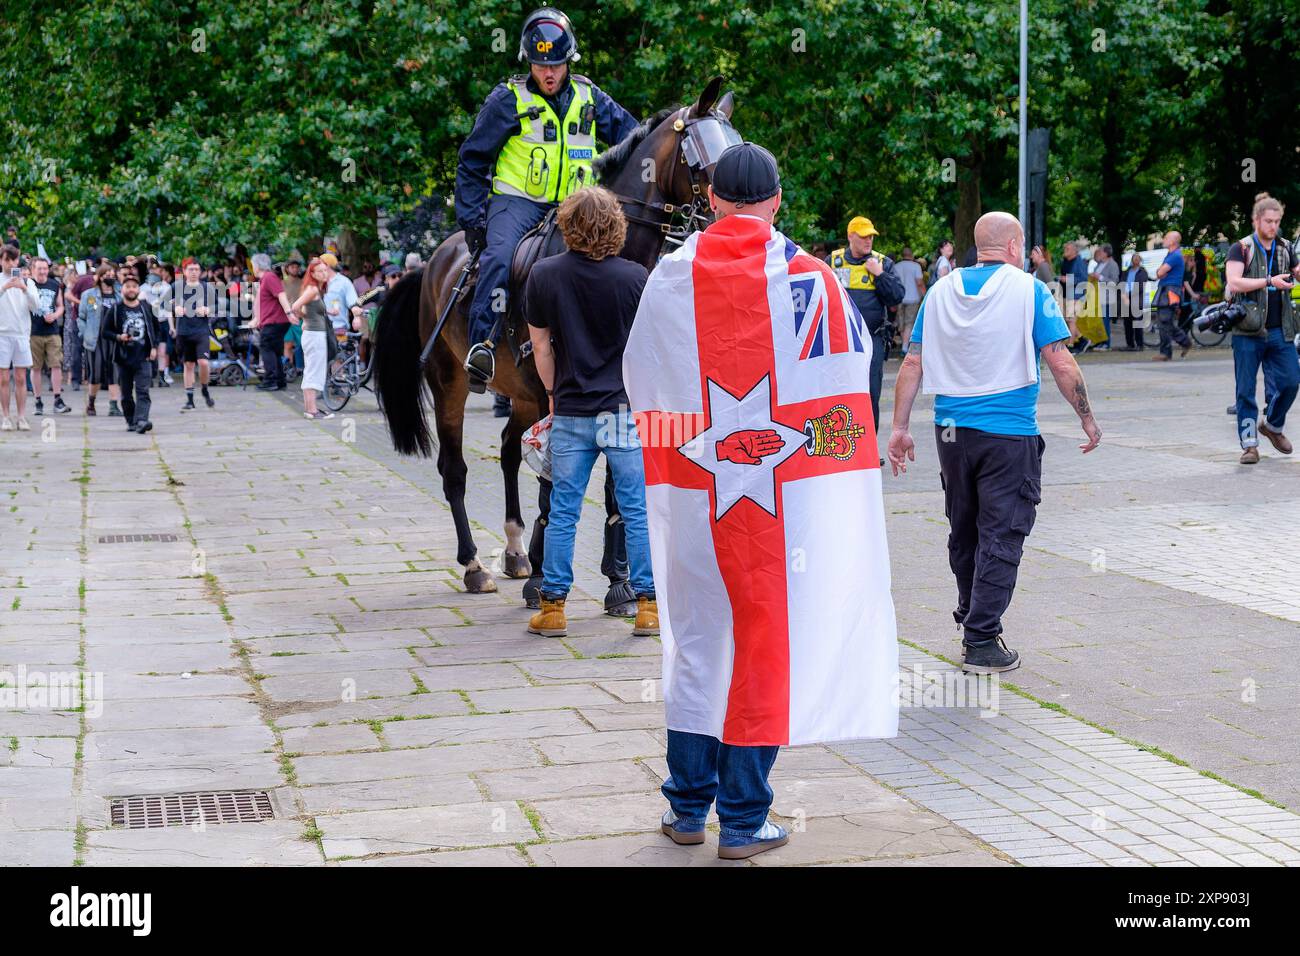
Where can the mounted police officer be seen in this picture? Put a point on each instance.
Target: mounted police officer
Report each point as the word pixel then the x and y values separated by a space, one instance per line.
pixel 874 288
pixel 532 145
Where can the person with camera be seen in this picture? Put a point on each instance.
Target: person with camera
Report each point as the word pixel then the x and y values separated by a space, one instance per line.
pixel 1260 274
pixel 131 328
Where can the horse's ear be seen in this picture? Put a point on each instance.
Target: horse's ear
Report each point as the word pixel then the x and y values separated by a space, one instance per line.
pixel 726 104
pixel 707 98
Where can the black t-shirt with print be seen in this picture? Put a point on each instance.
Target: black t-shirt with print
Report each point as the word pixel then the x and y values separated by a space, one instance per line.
pixel 49 293
pixel 136 322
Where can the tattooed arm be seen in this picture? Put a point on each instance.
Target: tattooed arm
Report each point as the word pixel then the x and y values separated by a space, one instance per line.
pixel 901 446
pixel 1069 379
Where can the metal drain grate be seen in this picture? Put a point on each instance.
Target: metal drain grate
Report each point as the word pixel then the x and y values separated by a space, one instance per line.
pixel 129 538
pixel 183 809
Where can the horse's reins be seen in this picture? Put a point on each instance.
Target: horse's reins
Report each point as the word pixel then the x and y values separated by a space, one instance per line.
pixel 665 212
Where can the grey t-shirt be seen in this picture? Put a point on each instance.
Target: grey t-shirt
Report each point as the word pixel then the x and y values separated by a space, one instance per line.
pixel 908 271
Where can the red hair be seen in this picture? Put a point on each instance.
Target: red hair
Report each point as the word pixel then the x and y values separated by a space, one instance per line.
pixel 309 277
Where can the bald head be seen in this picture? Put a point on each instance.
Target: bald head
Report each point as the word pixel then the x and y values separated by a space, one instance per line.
pixel 1173 239
pixel 998 238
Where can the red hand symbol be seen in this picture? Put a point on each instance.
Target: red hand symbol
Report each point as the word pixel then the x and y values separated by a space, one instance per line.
pixel 747 447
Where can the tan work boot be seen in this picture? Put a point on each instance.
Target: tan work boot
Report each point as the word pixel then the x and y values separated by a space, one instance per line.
pixel 647 618
pixel 1250 456
pixel 549 621
pixel 1280 441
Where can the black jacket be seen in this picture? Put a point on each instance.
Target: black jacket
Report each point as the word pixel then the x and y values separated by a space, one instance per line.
pixel 114 325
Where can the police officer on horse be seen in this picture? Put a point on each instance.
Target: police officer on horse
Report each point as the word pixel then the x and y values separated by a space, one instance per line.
pixel 531 146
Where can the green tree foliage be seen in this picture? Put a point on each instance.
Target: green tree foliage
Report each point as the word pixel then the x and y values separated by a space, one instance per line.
pixel 187 125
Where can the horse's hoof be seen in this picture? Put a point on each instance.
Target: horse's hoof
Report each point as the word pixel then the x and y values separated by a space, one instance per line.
pixel 516 565
pixel 620 600
pixel 480 581
pixel 533 593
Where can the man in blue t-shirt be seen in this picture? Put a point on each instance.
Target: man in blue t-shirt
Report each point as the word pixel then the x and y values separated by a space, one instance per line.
pixel 1169 295
pixel 990 450
pixel 1074 283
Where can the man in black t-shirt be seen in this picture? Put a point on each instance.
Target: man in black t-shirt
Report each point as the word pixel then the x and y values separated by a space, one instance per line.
pixel 47 336
pixel 132 329
pixel 193 305
pixel 580 306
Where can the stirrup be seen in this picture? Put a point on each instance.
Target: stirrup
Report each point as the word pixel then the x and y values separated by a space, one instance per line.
pixel 478 381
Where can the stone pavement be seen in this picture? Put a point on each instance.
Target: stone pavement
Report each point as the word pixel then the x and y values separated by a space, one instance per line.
pixel 305 633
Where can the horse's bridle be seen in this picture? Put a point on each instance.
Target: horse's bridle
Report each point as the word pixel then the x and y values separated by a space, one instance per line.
pixel 694 214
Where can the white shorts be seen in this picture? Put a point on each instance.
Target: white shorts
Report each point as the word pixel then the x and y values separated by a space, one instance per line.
pixel 15 351
pixel 315 348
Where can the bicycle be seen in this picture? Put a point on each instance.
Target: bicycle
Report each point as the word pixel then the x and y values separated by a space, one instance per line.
pixel 1185 320
pixel 347 374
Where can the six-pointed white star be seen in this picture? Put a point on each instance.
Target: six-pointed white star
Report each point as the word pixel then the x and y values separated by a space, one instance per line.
pixel 731 480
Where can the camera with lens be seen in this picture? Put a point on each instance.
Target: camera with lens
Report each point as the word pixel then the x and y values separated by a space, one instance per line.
pixel 1221 317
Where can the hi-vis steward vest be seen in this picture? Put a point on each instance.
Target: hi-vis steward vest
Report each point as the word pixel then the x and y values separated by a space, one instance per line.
pixel 548 159
pixel 854 276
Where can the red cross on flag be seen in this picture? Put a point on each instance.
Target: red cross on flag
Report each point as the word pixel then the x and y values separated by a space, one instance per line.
pixel 767 527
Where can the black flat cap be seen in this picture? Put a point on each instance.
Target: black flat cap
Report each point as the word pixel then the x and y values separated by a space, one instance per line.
pixel 746 173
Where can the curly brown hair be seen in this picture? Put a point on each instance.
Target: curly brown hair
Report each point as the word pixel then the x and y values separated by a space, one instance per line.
pixel 592 222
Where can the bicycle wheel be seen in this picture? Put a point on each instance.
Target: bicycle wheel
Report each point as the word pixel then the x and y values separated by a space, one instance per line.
pixel 339 388
pixel 1151 331
pixel 1207 338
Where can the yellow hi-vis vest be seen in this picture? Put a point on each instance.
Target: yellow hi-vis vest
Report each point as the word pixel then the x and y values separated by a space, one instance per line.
pixel 542 168
pixel 854 276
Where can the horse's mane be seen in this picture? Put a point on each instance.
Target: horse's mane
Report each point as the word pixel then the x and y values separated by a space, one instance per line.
pixel 611 162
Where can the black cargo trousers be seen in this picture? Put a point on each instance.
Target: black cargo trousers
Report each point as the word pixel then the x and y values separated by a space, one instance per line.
pixel 991 488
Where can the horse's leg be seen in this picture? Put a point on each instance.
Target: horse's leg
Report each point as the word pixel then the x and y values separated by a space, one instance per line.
pixel 449 416
pixel 516 561
pixel 537 545
pixel 620 600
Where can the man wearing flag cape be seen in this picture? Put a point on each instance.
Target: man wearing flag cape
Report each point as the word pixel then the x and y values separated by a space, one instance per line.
pixel 748 370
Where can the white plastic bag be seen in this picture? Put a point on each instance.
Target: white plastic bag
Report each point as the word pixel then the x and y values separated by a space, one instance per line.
pixel 537 448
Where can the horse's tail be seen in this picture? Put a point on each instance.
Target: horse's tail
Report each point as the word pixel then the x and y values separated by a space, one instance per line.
pixel 399 381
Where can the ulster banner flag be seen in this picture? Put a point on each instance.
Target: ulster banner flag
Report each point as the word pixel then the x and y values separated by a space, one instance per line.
pixel 747 368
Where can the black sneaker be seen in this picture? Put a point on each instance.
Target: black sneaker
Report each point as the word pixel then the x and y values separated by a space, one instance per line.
pixel 145 426
pixel 208 398
pixel 114 411
pixel 993 657
pixel 189 404
pixel 40 408
pixel 162 381
pixel 60 406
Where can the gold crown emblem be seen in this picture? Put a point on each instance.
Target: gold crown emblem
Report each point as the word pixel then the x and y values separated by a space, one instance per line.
pixel 834 435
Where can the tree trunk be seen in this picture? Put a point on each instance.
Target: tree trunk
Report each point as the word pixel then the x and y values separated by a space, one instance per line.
pixel 969 209
pixel 357 246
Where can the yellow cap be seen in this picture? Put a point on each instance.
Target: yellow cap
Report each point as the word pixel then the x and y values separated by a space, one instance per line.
pixel 330 260
pixel 861 226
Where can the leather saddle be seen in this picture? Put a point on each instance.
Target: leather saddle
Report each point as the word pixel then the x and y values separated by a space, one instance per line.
pixel 542 240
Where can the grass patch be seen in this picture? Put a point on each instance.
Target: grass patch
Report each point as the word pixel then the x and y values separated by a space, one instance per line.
pixel 419 685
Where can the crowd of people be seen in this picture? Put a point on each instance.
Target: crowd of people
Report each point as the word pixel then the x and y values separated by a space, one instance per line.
pixel 132 324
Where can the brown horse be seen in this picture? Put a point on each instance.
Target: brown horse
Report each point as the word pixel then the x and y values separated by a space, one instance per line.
pixel 659 172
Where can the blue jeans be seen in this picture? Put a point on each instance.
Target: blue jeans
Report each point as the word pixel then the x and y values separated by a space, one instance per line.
pixel 701 768
pixel 1281 381
pixel 508 218
pixel 575 443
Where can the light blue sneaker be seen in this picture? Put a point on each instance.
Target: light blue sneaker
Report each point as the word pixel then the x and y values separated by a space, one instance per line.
pixel 683 831
pixel 735 846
